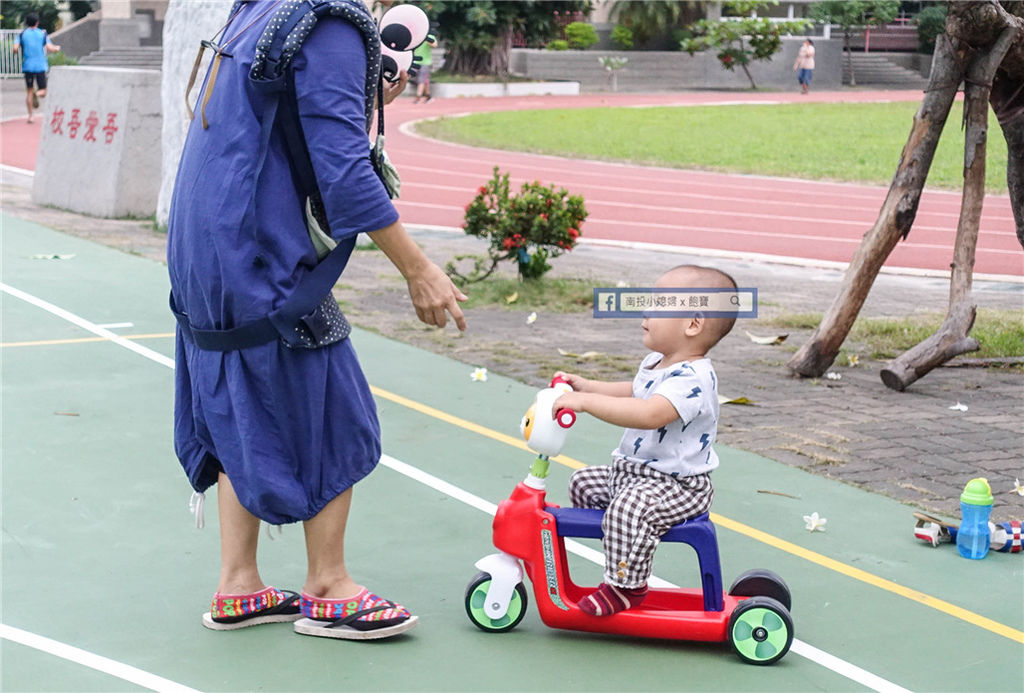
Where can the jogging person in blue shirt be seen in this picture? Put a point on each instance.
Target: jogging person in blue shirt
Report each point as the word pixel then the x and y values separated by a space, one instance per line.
pixel 34 44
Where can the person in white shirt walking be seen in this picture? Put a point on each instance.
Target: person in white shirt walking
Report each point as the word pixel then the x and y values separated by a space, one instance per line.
pixel 804 65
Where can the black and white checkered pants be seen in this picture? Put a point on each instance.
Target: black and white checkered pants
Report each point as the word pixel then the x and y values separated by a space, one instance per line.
pixel 641 504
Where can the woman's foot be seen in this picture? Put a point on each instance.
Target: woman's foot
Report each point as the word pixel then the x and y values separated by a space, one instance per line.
pixel 269 605
pixel 363 616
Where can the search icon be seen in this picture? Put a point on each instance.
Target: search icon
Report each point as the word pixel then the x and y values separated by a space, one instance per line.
pixel 735 300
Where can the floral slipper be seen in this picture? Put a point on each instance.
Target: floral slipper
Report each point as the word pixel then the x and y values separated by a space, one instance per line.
pixel 362 617
pixel 234 611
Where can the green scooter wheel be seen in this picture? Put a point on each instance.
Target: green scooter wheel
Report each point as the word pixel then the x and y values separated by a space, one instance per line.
pixel 476 594
pixel 760 630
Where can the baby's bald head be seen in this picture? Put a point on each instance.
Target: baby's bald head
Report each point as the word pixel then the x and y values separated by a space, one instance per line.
pixel 699 277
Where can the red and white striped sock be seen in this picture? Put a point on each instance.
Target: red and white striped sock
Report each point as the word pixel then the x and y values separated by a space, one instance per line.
pixel 609 599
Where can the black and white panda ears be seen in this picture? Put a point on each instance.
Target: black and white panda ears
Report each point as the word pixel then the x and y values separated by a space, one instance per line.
pixel 402 29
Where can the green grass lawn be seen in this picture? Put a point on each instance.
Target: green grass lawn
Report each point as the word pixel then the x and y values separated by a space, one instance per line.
pixel 998 331
pixel 843 142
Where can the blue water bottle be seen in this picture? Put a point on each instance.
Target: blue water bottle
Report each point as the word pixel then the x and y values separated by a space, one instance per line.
pixel 972 539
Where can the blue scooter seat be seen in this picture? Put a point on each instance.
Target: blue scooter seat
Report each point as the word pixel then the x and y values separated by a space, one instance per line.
pixel 586 522
pixel 698 532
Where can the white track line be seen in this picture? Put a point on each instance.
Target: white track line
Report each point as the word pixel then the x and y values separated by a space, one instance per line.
pixel 656 173
pixel 93 661
pixel 15 169
pixel 869 212
pixel 88 326
pixel 839 666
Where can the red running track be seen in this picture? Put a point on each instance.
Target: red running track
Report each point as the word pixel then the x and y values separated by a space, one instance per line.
pixel 811 220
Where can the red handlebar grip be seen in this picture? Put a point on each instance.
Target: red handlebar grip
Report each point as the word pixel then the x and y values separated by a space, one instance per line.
pixel 565 417
pixel 557 380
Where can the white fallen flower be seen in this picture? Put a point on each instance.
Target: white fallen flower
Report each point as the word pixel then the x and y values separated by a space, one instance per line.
pixel 531 318
pixel 772 340
pixel 621 284
pixel 479 375
pixel 854 360
pixel 832 375
pixel 814 523
pixel 959 407
pixel 1018 488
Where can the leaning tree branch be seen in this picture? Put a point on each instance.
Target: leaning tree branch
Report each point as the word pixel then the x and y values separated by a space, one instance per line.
pixel 895 217
pixel 951 339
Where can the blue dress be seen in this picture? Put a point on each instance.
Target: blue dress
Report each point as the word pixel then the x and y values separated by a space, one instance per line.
pixel 291 427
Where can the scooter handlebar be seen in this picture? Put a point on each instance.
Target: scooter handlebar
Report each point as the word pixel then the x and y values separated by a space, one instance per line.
pixel 565 417
pixel 559 380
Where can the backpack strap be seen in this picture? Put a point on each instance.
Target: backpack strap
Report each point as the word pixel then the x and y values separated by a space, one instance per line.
pixel 292 23
pixel 272 75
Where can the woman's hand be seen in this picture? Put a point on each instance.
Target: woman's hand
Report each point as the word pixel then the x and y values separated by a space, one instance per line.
pixel 393 89
pixel 434 295
pixel 432 292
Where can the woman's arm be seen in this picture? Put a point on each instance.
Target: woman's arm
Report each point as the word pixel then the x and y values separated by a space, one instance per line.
pixel 432 292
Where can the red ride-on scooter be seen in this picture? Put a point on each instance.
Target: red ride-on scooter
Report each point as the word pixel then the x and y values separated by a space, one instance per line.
pixel 753 616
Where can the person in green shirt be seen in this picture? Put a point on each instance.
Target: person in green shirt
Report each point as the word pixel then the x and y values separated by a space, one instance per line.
pixel 424 53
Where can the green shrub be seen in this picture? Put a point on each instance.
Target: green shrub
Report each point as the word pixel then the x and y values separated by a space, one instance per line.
pixel 59 58
pixel 558 45
pixel 931 22
pixel 622 37
pixel 581 35
pixel 529 228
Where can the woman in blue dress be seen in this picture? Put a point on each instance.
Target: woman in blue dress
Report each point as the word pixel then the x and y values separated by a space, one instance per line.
pixel 284 429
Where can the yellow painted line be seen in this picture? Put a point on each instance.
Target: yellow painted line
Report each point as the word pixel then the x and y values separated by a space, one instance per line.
pixel 756 534
pixel 468 425
pixel 871 579
pixel 84 340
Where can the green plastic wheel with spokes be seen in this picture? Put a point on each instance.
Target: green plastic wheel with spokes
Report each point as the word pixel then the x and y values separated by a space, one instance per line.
pixel 476 594
pixel 760 630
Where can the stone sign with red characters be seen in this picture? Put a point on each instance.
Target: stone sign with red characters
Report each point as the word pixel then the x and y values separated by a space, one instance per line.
pixel 99 152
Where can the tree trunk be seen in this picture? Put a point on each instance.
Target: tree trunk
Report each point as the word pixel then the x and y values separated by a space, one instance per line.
pixel 1008 104
pixel 501 54
pixel 849 58
pixel 951 338
pixel 468 59
pixel 743 51
pixel 895 217
pixel 747 73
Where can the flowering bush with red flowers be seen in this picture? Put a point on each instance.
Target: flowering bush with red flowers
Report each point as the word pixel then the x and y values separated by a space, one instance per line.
pixel 531 227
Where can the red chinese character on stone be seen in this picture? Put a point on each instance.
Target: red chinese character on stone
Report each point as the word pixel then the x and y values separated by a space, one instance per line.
pixel 56 121
pixel 109 129
pixel 74 123
pixel 90 127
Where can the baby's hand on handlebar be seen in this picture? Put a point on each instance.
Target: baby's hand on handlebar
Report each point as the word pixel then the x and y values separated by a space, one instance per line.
pixel 576 382
pixel 570 400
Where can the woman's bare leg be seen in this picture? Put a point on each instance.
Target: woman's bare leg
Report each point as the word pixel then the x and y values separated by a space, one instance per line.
pixel 327 576
pixel 239 534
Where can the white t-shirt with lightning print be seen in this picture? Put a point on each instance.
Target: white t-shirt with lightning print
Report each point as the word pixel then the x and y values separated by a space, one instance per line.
pixel 684 446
